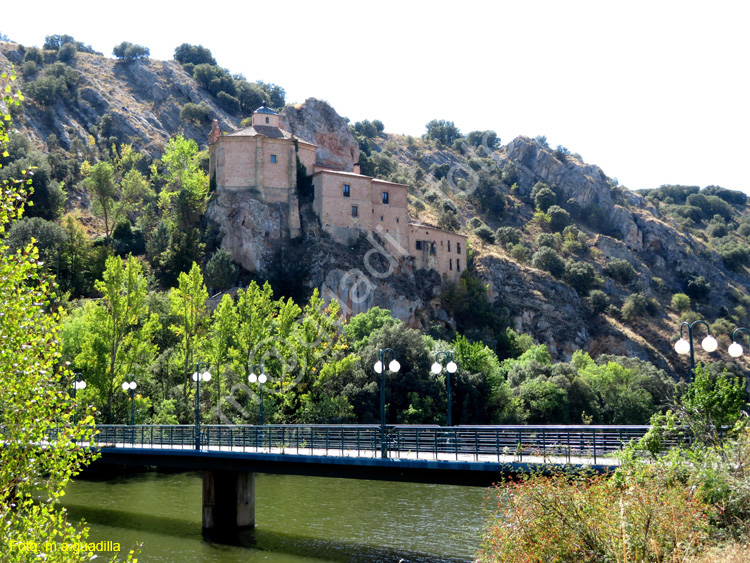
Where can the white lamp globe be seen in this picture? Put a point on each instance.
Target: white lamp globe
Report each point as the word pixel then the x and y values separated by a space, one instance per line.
pixel 682 346
pixel 378 367
pixel 451 367
pixel 709 344
pixel 133 385
pixel 436 368
pixel 125 386
pixel 394 366
pixel 252 378
pixel 195 376
pixel 735 350
pixel 206 375
pixel 262 378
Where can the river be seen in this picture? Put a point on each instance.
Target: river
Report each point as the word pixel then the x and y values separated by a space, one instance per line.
pixel 298 519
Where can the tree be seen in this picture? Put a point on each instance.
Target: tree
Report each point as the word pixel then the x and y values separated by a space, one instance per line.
pixel 361 326
pixel 680 302
pixel 129 52
pixel 442 132
pixel 558 218
pixel 104 192
pixel 32 395
pixel 581 276
pixel 548 260
pixel 221 271
pixel 193 54
pixel 220 341
pixel 485 234
pixel 620 270
pixel 487 139
pixel 544 199
pixel 188 305
pixel 120 332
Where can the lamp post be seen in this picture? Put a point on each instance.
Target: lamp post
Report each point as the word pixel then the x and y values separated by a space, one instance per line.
pixel 252 378
pixel 130 387
pixel 450 368
pixel 735 348
pixel 78 383
pixel 685 346
pixel 393 367
pixel 197 376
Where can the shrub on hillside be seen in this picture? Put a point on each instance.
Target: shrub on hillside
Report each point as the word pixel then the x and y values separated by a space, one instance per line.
pixel 558 218
pixel 520 253
pixel 620 270
pixel 442 132
pixel 485 234
pixel 197 113
pixel 129 52
pixel 680 302
pixel 581 276
pixel 544 199
pixel 548 260
pixel 448 221
pixel 508 236
pixel 638 305
pixel 598 301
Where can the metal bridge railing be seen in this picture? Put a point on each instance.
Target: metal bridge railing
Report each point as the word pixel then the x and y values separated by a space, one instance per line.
pixel 553 444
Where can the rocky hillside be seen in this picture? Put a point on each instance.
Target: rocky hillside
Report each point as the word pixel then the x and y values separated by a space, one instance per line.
pixel 559 250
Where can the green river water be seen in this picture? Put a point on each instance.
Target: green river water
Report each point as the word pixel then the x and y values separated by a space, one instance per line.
pixel 298 520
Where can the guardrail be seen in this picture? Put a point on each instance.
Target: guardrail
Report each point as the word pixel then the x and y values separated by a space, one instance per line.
pixel 558 444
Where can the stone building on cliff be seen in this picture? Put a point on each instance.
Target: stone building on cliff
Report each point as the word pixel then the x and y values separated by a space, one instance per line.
pixel 263 159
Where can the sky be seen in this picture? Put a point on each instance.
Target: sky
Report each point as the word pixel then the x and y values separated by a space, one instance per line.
pixel 654 92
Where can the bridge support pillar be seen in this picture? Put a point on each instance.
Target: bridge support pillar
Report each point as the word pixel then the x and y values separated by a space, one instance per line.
pixel 228 500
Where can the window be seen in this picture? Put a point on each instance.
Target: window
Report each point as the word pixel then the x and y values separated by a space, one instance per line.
pixel 273 159
pixel 347 190
pixel 419 245
pixel 449 246
pixel 385 198
pixel 432 248
pixel 381 217
pixel 355 211
pixel 458 264
pixel 267 120
pixel 458 247
pixel 450 263
pixel 397 220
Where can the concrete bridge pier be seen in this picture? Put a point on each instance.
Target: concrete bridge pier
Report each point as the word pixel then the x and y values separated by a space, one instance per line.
pixel 228 500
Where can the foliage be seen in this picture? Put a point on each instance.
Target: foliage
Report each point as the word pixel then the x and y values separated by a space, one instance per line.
pixel 361 326
pixel 620 270
pixel 680 302
pixel 578 517
pixel 129 52
pixel 544 198
pixel 638 305
pixel 56 42
pixel 221 271
pixel 193 54
pixel 487 194
pixel 485 234
pixel 581 276
pixel 32 394
pixel 119 333
pixel 508 236
pixel 548 260
pixel 558 218
pixel 599 301
pixel 448 220
pixel 442 132
pixel 487 140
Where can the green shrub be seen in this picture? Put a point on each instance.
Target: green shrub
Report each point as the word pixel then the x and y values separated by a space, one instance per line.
pixel 598 301
pixel 581 276
pixel 697 288
pixel 638 305
pixel 547 239
pixel 620 270
pixel 680 302
pixel 508 235
pixel 128 52
pixel 448 221
pixel 221 271
pixel 548 260
pixel 558 218
pixel 193 54
pixel 544 199
pixel 735 255
pixel 717 230
pixel 442 132
pixel 520 253
pixel 485 234
pixel 197 113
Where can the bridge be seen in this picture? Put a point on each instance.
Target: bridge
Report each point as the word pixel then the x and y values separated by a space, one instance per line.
pixel 230 455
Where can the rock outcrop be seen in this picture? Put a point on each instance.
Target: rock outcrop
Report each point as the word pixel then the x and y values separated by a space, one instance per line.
pixel 317 122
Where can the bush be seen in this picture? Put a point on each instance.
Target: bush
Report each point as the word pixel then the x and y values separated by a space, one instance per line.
pixel 637 305
pixel 546 239
pixel 548 260
pixel 442 132
pixel 228 102
pixel 193 54
pixel 581 276
pixel 520 253
pixel 680 302
pixel 697 288
pixel 485 234
pixel 67 53
pixel 129 52
pixel 558 218
pixel 620 270
pixel 598 301
pixel 592 518
pixel 221 271
pixel 487 139
pixel 717 230
pixel 735 255
pixel 448 221
pixel 508 235
pixel 544 199
pixel 197 113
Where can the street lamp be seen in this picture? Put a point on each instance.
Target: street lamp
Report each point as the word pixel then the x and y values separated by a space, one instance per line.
pixel 450 368
pixel 735 348
pixel 130 386
pixel 197 377
pixel 252 378
pixel 685 346
pixel 393 367
pixel 78 383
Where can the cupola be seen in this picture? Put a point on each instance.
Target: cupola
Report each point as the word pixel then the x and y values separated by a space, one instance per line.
pixel 265 117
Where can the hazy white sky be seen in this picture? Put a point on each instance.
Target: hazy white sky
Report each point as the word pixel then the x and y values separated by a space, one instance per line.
pixel 652 91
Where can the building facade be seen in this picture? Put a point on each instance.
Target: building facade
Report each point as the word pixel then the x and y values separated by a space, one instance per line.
pixel 262 159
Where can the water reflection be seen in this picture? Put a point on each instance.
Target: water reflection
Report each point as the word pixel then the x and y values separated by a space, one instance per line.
pixel 298 519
